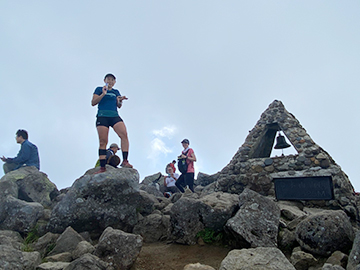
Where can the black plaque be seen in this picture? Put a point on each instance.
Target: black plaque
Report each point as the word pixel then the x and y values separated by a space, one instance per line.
pixel 304 188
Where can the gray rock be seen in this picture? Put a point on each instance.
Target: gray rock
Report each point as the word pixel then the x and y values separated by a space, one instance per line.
pixel 82 248
pixel 52 266
pixel 153 228
pixel 155 178
pixel 186 220
pixel 326 232
pixel 328 266
pixel 354 257
pixel 198 266
pixel 302 260
pixel 13 259
pixel 88 262
pixel 338 258
pixel 33 186
pixel 217 208
pixel 45 243
pixel 204 179
pixel 261 258
pixel 67 241
pixel 257 221
pixel 61 257
pixel 96 201
pixel 11 238
pixel 151 189
pixel 18 215
pixel 118 248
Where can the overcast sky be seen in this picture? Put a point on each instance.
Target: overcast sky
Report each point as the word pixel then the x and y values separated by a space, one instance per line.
pixel 202 70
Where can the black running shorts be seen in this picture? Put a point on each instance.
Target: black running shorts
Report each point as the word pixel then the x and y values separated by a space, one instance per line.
pixel 108 121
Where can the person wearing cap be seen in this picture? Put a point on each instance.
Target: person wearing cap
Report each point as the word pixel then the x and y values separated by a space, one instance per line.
pixel 27 156
pixel 109 100
pixel 187 179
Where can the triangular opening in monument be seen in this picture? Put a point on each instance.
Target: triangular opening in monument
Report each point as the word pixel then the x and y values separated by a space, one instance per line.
pixel 265 144
pixel 285 151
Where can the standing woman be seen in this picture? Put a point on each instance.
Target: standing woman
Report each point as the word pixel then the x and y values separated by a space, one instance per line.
pixel 187 179
pixel 109 100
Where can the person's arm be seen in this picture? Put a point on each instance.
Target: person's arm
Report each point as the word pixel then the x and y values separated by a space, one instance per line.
pixel 120 99
pixel 165 181
pixel 97 98
pixel 192 157
pixel 22 156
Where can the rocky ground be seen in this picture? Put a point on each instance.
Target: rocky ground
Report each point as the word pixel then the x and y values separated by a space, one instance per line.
pixel 161 255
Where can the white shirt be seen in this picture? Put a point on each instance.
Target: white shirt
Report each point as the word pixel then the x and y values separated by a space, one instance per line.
pixel 170 182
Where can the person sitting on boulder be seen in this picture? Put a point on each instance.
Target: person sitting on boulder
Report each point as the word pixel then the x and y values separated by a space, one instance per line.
pixel 27 156
pixel 170 180
pixel 111 157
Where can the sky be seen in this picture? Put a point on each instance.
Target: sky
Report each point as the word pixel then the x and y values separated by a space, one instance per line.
pixel 203 70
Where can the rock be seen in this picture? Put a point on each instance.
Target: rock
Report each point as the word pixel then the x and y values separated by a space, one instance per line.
pixel 18 215
pixel 153 228
pixel 118 248
pixel 33 186
pixel 13 259
pixel 204 179
pixel 82 248
pixel 198 266
pixel 354 257
pixel 61 257
pixel 338 258
pixel 217 208
pixel 290 210
pixel 326 232
pixel 257 221
pixel 328 266
pixel 52 266
pixel 45 244
pixel 67 241
pixel 185 220
pixel 11 238
pixel 151 189
pixel 96 201
pixel 302 260
pixel 155 178
pixel 286 240
pixel 88 262
pixel 261 258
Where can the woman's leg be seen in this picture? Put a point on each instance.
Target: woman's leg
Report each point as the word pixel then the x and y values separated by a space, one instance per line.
pixel 189 180
pixel 180 183
pixel 103 133
pixel 121 131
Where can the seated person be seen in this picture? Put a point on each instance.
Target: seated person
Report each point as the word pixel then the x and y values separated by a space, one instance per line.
pixel 169 181
pixel 27 156
pixel 111 158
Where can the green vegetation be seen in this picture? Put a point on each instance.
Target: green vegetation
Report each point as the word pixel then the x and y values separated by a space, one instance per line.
pixel 31 237
pixel 209 236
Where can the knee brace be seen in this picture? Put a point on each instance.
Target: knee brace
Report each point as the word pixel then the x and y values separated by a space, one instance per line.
pixel 102 152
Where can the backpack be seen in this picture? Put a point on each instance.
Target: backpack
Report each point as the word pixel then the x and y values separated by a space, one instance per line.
pixel 182 165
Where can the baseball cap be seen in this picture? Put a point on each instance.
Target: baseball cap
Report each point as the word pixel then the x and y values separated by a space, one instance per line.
pixel 110 75
pixel 114 145
pixel 185 141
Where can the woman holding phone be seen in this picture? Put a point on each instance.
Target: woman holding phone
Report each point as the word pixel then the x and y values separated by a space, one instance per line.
pixel 109 100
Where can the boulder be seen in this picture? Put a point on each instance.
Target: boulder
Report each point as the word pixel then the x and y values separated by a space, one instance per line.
pixel 82 248
pixel 185 220
pixel 153 228
pixel 118 248
pixel 198 266
pixel 261 258
pixel 61 257
pixel 18 215
pixel 217 208
pixel 52 266
pixel 11 238
pixel 325 232
pixel 45 243
pixel 149 180
pixel 338 258
pixel 152 189
pixel 204 179
pixel 354 257
pixel 88 262
pixel 257 221
pixel 302 260
pixel 328 266
pixel 13 259
pixel 96 201
pixel 32 186
pixel 67 241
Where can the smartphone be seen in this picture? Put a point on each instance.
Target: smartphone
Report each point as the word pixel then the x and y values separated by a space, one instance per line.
pixel 106 84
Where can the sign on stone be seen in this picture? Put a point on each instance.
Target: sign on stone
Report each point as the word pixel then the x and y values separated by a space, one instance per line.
pixel 304 188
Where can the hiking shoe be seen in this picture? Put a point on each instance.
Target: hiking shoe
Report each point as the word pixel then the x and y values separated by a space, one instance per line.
pixel 102 169
pixel 126 164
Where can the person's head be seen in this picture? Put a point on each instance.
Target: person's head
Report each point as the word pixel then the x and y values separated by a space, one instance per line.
pixel 114 147
pixel 21 135
pixel 185 143
pixel 110 79
pixel 169 169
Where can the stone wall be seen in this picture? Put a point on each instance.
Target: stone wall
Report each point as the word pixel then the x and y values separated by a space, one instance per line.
pixel 252 166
